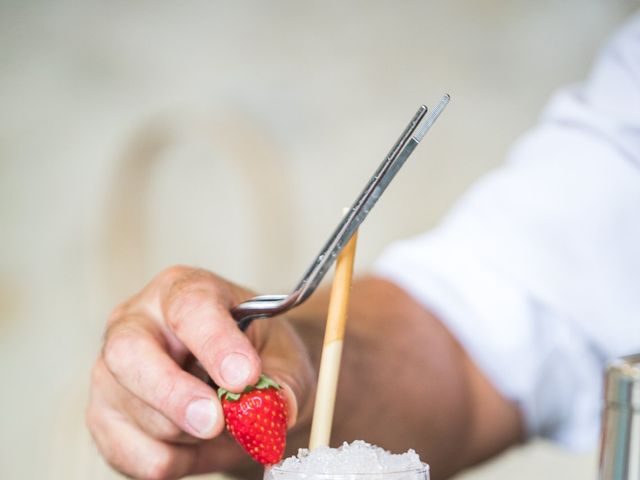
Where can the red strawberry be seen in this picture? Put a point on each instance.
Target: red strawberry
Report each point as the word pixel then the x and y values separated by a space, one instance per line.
pixel 257 419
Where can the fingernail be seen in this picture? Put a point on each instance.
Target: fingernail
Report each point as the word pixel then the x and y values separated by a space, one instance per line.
pixel 235 369
pixel 202 416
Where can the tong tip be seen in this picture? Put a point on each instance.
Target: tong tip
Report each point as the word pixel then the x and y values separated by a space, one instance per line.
pixel 431 118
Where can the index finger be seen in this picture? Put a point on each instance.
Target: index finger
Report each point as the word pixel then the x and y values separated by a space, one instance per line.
pixel 196 310
pixel 134 355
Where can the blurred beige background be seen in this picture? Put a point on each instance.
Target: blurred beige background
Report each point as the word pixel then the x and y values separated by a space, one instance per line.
pixel 136 135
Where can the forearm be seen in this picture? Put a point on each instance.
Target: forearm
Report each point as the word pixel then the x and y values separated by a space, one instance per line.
pixel 406 383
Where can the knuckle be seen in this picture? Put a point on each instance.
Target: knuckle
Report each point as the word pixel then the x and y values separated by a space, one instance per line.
pixel 183 303
pixel 117 459
pixel 98 374
pixel 195 295
pixel 179 276
pixel 174 272
pixel 111 450
pixel 160 465
pixel 198 279
pixel 187 301
pixel 117 350
pixel 155 463
pixel 91 418
pixel 116 313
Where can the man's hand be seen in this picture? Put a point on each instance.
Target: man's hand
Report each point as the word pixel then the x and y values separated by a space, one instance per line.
pixel 152 418
pixel 149 413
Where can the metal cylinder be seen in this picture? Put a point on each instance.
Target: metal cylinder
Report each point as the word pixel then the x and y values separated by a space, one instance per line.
pixel 620 439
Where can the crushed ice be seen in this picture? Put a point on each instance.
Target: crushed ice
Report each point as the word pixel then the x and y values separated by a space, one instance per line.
pixel 356 457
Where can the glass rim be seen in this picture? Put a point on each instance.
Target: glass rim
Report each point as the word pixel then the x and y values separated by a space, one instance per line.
pixel 279 469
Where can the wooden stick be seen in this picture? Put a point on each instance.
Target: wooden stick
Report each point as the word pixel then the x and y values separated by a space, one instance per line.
pixel 332 347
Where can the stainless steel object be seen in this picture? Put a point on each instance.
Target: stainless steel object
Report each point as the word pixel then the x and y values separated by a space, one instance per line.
pixel 620 440
pixel 271 305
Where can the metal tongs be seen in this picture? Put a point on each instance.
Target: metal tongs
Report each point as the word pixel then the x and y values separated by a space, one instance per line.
pixel 270 305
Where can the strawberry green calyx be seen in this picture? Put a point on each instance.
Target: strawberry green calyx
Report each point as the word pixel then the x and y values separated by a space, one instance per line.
pixel 266 382
pixel 263 383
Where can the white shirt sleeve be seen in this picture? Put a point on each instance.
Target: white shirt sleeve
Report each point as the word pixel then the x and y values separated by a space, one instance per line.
pixel 536 271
